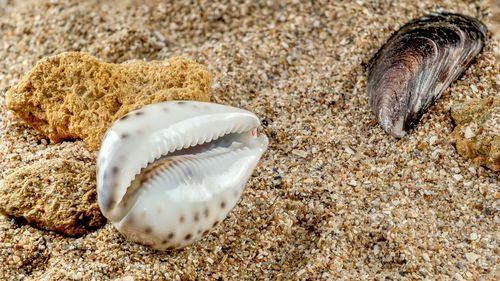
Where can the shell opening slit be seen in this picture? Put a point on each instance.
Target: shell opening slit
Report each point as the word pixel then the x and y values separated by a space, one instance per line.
pixel 170 170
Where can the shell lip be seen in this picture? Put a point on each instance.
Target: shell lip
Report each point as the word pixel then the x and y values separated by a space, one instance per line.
pixel 230 142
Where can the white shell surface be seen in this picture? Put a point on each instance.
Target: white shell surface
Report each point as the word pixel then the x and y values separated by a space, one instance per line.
pixel 169 172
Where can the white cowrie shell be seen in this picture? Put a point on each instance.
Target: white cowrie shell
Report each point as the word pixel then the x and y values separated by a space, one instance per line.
pixel 169 172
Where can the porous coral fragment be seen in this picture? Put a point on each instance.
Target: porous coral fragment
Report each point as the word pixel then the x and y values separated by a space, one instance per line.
pixel 55 194
pixel 477 134
pixel 74 95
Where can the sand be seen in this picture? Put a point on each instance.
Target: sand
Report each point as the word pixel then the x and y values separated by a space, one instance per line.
pixel 334 197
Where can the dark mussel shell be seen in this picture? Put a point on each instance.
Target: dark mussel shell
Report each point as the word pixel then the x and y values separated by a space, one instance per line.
pixel 417 64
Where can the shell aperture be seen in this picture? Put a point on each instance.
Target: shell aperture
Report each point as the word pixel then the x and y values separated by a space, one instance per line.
pixel 417 64
pixel 169 172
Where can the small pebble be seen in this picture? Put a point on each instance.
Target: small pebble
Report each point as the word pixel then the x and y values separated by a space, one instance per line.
pixel 469 184
pixel 348 150
pixel 277 180
pixel 473 88
pixel 473 236
pixel 301 272
pixel 471 257
pixel 458 277
pixel 432 140
pixel 472 169
pixel 468 134
pixel 300 153
pixel 16 259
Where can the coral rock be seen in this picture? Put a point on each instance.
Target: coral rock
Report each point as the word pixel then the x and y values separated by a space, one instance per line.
pixel 75 96
pixel 55 194
pixel 477 135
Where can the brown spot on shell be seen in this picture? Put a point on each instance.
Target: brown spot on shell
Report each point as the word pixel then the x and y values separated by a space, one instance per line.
pixel 223 204
pixel 196 217
pixel 205 232
pixel 181 102
pixel 169 237
pixel 206 212
pixel 139 113
pixel 111 203
pixel 188 236
pixel 181 219
pixel 124 135
pixel 148 230
pixel 215 223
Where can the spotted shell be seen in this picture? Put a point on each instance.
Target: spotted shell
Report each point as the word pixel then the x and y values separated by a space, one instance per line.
pixel 171 171
pixel 417 64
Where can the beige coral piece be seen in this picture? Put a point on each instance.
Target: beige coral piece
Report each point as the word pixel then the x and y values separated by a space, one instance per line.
pixel 58 195
pixel 477 134
pixel 75 96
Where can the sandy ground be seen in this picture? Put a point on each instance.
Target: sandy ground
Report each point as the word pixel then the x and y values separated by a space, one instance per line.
pixel 334 197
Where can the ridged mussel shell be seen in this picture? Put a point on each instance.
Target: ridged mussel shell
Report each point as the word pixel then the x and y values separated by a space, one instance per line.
pixel 417 64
